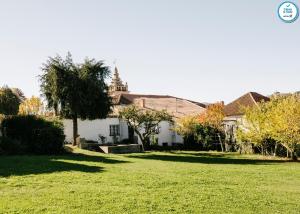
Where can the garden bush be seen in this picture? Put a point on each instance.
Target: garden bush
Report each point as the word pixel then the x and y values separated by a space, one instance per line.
pixel 11 147
pixel 125 141
pixel 36 135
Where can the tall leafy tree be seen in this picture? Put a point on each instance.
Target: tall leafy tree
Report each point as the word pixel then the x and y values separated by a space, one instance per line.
pixel 144 122
pixel 9 101
pixel 76 90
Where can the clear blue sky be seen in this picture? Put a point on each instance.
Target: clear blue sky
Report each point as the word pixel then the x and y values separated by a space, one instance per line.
pixel 201 50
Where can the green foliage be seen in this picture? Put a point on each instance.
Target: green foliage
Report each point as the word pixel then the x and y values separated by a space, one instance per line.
pixel 126 141
pixel 186 126
pixel 278 119
pixel 254 129
pixel 198 134
pixel 11 147
pixel 37 135
pixel 9 102
pixel 19 93
pixel 76 90
pixel 144 122
pixel 209 136
pixel 284 122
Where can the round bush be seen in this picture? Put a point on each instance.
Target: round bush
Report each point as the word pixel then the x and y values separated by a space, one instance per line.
pixel 37 135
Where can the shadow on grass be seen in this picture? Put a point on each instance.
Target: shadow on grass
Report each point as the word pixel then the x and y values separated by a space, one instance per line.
pixel 205 158
pixel 27 165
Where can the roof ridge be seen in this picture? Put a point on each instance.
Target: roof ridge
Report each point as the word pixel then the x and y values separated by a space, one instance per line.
pixel 251 95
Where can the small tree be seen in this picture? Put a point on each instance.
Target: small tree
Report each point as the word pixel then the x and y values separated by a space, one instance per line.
pixel 187 127
pixel 213 116
pixel 9 101
pixel 31 106
pixel 144 122
pixel 255 129
pixel 207 135
pixel 76 90
pixel 284 122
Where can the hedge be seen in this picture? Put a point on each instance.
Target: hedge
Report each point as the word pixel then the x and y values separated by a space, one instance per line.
pixel 35 135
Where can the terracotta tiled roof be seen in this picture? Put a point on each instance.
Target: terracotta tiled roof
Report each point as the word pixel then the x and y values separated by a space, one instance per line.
pixel 178 107
pixel 126 98
pixel 247 100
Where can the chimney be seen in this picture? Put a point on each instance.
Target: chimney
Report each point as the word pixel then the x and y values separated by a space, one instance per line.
pixel 142 103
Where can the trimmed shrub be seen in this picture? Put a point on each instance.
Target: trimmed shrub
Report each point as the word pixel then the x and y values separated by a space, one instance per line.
pixel 36 135
pixel 125 141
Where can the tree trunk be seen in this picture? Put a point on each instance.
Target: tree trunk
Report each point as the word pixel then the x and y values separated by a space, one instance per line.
pixel 221 143
pixel 141 138
pixel 294 155
pixel 275 149
pixel 146 142
pixel 75 130
pixel 287 153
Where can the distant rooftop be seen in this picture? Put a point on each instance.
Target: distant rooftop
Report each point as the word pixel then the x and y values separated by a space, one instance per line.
pixel 247 100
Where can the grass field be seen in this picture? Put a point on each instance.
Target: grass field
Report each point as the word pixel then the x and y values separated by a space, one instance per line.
pixel 154 182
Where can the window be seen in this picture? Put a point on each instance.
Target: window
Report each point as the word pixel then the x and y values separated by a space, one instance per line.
pixel 114 130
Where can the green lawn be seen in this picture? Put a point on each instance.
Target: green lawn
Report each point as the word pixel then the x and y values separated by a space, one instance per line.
pixel 154 182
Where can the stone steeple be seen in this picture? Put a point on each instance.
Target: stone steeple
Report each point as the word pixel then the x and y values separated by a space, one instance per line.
pixel 117 84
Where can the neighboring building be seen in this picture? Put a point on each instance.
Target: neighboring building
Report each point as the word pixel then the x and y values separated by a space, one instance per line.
pixel 112 128
pixel 279 94
pixel 234 111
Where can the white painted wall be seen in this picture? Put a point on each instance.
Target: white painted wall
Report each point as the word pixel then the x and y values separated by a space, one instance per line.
pixel 90 130
pixel 166 135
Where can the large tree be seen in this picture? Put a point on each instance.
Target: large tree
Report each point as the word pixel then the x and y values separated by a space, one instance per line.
pixel 9 101
pixel 144 122
pixel 76 90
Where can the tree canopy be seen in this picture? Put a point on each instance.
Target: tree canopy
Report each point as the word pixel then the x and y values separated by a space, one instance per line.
pixel 187 126
pixel 213 118
pixel 9 101
pixel 144 122
pixel 284 122
pixel 76 90
pixel 278 119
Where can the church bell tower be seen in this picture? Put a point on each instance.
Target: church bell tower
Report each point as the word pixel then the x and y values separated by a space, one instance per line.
pixel 117 85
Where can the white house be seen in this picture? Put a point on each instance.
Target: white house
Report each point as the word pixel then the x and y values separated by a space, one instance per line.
pixel 113 127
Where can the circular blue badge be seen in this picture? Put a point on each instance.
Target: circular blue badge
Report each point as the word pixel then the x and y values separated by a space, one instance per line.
pixel 288 12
